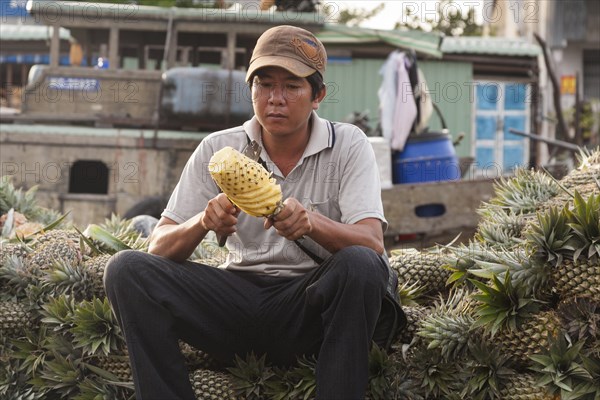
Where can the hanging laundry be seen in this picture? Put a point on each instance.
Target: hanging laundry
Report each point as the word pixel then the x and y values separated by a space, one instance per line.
pixel 398 108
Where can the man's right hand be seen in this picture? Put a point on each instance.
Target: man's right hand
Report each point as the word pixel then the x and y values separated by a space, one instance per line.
pixel 220 216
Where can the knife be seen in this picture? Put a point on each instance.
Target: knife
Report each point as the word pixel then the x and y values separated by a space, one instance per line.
pixel 252 151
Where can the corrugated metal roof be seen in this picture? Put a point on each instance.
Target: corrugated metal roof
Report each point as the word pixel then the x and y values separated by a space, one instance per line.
pixel 239 13
pixel 41 129
pixel 421 42
pixel 30 32
pixel 489 45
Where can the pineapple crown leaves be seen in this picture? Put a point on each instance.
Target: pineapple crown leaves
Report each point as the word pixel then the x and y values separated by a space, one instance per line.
pixel 551 238
pixel 106 241
pixel 529 274
pixel 13 384
pixel 298 382
pixel 461 259
pixel 103 380
pixel 585 222
pixel 437 377
pixel 592 366
pixel 522 193
pixel 95 329
pixel 30 351
pixel 61 376
pixel 560 368
pixel 250 376
pixel 14 277
pixel 96 389
pixel 12 198
pixel 66 278
pixel 124 231
pixel 498 227
pixel 382 369
pixel 486 369
pixel 56 222
pixel 502 306
pixel 59 312
pixel 409 293
pixel 581 319
pixel 449 327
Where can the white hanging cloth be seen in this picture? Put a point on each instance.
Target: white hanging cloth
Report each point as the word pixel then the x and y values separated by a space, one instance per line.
pixel 398 108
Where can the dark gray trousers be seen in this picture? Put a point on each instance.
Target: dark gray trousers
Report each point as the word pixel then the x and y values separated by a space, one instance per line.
pixel 330 312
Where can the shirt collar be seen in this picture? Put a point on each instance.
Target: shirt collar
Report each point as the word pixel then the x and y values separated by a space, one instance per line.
pixel 322 136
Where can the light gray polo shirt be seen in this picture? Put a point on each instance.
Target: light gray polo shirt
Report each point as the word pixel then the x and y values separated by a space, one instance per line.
pixel 337 176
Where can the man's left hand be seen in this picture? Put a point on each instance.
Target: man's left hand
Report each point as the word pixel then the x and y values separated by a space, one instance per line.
pixel 292 222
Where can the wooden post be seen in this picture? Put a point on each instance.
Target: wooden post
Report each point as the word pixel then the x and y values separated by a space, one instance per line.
pixel 230 62
pixel 577 115
pixel 55 46
pixel 9 84
pixel 562 125
pixel 113 48
pixel 172 53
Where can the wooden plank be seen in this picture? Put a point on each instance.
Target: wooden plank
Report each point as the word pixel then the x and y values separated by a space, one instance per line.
pixel 458 201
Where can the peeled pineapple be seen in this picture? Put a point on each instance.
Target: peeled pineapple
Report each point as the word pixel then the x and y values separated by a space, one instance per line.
pixel 247 184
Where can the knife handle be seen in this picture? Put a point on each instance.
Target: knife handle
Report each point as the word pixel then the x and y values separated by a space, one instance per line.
pixel 222 240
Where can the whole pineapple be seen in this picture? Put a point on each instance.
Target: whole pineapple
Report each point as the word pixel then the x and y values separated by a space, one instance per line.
pixel 515 322
pixel 59 245
pixel 197 359
pixel 415 315
pixel 211 385
pixel 426 269
pixel 579 275
pixel 15 319
pixel 116 364
pixel 524 387
pixel 95 267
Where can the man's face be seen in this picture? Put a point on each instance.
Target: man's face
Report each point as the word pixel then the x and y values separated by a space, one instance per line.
pixel 282 101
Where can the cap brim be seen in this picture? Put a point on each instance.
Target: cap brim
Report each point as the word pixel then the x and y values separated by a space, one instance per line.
pixel 293 66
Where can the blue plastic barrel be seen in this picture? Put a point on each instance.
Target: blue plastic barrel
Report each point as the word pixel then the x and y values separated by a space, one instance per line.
pixel 426 157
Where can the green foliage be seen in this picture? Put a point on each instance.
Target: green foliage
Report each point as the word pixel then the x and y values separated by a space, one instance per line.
pixel 522 193
pixel 585 221
pixel 58 313
pixel 356 16
pixel 560 369
pixel 485 370
pixel 296 383
pixel 31 352
pixel 502 305
pixel 250 376
pixel 551 237
pixel 66 278
pixel 439 378
pixel 95 329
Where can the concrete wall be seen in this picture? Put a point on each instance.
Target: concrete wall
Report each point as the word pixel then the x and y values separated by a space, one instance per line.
pixel 138 166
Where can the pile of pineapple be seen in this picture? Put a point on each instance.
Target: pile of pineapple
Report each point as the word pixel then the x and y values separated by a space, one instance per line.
pixel 512 314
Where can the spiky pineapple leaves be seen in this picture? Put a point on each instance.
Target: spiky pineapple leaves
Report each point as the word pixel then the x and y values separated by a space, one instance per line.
pixel 522 193
pixel 297 382
pixel 486 370
pixel 250 376
pixel 450 326
pixel 584 219
pixel 91 324
pixel 552 237
pixel 560 369
pixel 502 306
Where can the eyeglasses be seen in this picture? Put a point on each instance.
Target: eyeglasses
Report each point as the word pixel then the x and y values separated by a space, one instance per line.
pixel 289 91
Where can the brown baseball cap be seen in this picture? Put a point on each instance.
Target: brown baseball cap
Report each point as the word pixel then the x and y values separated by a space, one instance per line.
pixel 295 49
